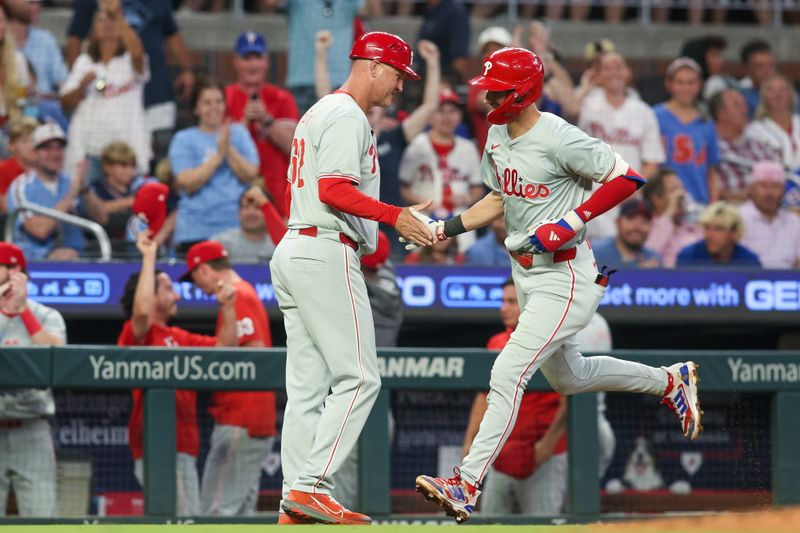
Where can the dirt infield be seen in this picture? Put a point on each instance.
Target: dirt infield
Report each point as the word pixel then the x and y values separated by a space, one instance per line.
pixel 785 520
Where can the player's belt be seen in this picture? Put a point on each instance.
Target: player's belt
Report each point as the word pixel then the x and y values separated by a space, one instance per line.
pixel 525 259
pixel 313 230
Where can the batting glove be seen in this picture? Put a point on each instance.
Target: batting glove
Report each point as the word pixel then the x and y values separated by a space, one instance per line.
pixel 549 235
pixel 436 227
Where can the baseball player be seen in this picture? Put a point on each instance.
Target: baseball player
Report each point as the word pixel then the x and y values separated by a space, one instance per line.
pixel 27 458
pixel 149 303
pixel 244 422
pixel 332 375
pixel 540 170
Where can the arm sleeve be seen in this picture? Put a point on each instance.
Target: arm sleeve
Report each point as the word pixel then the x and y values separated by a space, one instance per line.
pixel 340 149
pixel 652 147
pixel 340 194
pixel 489 173
pixel 276 226
pixel 180 154
pixel 586 157
pixel 82 16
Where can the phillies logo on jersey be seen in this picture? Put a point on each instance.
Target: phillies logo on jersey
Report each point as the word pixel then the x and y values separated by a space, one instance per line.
pixel 514 185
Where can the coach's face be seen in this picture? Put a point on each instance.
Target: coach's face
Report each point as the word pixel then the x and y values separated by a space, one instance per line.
pixel 388 82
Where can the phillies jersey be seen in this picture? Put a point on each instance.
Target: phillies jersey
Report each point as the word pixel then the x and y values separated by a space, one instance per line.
pixel 333 140
pixel 545 172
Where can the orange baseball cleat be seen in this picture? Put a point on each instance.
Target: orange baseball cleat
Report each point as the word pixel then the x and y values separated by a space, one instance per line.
pixel 320 508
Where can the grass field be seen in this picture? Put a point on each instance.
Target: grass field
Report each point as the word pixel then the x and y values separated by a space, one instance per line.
pixel 786 520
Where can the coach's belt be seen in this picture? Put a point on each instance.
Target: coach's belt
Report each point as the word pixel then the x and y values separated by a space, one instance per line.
pixel 525 259
pixel 313 230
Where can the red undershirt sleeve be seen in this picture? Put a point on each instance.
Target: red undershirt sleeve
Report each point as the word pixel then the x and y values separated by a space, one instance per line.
pixel 340 194
pixel 276 226
pixel 610 194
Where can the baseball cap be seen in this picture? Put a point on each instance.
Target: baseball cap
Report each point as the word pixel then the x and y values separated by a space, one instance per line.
pixel 768 171
pixel 494 34
pixel 449 96
pixel 250 42
pixel 150 203
pixel 376 259
pixel 200 253
pixel 48 131
pixel 634 208
pixel 11 255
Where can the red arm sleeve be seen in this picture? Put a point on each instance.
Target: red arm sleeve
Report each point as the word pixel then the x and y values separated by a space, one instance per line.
pixel 610 194
pixel 340 194
pixel 276 226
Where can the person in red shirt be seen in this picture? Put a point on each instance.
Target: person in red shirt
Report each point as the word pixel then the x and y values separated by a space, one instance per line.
pixel 529 475
pixel 269 112
pixel 244 422
pixel 149 302
pixel 22 154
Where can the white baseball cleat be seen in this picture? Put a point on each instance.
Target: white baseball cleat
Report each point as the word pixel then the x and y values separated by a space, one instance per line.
pixel 682 397
pixel 454 495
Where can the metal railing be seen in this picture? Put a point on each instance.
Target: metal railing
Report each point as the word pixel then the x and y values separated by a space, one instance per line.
pixel 96 229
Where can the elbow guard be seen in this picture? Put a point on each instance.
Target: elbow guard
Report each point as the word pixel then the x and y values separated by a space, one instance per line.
pixel 623 170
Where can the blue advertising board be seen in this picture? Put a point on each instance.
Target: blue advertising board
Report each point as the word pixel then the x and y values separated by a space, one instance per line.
pixel 633 295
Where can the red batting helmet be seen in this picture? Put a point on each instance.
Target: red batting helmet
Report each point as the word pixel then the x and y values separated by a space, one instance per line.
pixel 511 69
pixel 385 48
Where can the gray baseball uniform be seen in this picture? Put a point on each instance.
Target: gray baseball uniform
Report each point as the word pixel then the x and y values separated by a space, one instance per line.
pixel 27 457
pixel 543 174
pixel 323 297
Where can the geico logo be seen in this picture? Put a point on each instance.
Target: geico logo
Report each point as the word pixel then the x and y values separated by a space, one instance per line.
pixel 418 291
pixel 764 295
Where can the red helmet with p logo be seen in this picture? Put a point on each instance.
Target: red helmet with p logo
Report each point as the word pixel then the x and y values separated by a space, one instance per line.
pixel 385 48
pixel 511 69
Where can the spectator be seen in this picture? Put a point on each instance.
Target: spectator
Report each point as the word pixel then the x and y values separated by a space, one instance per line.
pixel 690 140
pixel 707 52
pixel 213 163
pixel 22 154
pixel 723 228
pixel 759 61
pixel 251 243
pixel 42 51
pixel 777 123
pixel 446 24
pixel 104 92
pixel 558 95
pixel 14 79
pixel 268 112
pixel 671 230
pixel 627 249
pixel 771 231
pixel 490 40
pixel 153 21
pixel 442 166
pixel 737 152
pixel 42 237
pixel 622 120
pixel 489 250
pixel 27 457
pixel 305 20
pixel 529 474
pixel 244 422
pixel 149 303
pixel 441 253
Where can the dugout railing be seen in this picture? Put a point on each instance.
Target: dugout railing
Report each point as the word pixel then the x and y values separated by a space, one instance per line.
pixel 160 371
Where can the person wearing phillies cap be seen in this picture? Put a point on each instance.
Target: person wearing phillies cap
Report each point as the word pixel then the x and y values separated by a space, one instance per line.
pixel 269 112
pixel 46 185
pixel 439 164
pixel 26 445
pixel 627 249
pixel 244 422
pixel 334 211
pixel 149 303
pixel 771 231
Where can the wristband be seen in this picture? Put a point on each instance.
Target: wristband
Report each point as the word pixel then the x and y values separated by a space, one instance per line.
pixel 453 226
pixel 31 322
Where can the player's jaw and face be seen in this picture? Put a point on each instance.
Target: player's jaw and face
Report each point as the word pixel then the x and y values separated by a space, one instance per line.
pixel 205 278
pixel 210 108
pixel 387 81
pixel 633 231
pixel 166 297
pixel 685 86
pixel 509 308
pixel 495 98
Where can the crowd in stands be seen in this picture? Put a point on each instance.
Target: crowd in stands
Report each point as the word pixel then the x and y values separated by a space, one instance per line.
pixel 83 131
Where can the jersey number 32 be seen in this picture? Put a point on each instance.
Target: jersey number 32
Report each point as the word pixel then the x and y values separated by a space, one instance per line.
pixel 298 158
